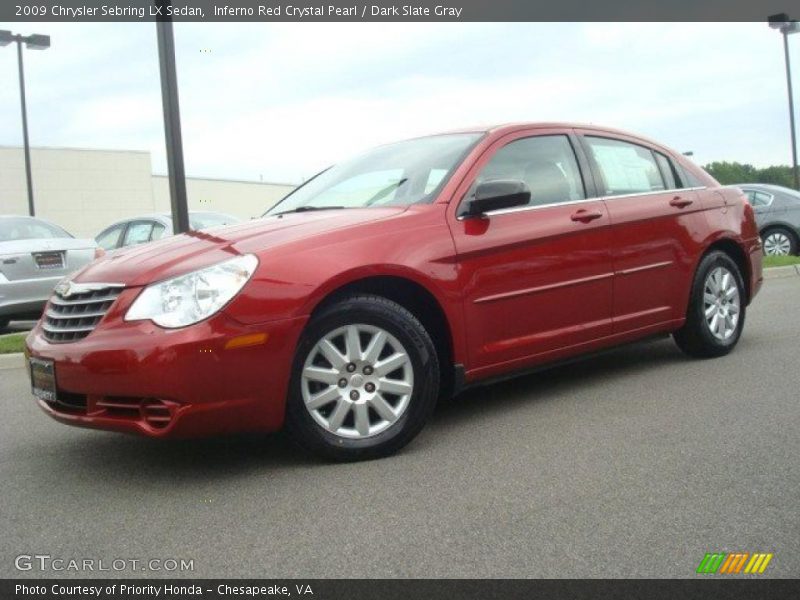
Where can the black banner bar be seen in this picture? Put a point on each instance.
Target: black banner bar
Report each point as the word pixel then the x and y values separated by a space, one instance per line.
pixel 383 10
pixel 381 589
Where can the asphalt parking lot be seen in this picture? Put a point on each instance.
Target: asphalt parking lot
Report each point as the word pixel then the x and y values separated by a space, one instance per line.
pixel 633 464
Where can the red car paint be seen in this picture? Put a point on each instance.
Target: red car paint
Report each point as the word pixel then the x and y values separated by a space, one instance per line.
pixel 517 290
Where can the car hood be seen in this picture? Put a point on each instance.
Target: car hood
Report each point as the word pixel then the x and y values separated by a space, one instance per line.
pixel 174 256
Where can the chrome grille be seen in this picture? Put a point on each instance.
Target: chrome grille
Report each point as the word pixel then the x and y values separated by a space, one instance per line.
pixel 75 310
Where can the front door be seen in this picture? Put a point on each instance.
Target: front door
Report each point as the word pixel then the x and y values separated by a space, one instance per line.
pixel 536 278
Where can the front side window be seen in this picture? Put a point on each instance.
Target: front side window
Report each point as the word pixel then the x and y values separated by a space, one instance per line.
pixel 138 233
pixel 626 168
pixel 398 174
pixel 109 239
pixel 547 164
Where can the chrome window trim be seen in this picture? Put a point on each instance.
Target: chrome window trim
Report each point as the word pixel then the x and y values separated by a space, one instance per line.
pixel 516 209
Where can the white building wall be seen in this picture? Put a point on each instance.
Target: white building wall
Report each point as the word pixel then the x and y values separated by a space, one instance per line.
pixel 81 190
pixel 243 199
pixel 86 190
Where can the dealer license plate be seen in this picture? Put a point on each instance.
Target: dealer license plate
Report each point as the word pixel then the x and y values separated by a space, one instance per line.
pixel 43 378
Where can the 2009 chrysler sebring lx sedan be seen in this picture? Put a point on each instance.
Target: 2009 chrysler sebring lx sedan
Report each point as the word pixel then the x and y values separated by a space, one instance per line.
pixel 395 278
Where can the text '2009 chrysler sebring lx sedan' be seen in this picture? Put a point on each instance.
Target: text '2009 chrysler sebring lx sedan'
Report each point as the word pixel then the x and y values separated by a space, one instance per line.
pixel 395 278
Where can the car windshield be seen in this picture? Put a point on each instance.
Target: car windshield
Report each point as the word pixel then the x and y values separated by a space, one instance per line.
pixel 399 174
pixel 201 221
pixel 26 228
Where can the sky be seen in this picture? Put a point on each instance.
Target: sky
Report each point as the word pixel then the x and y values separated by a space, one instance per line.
pixel 281 101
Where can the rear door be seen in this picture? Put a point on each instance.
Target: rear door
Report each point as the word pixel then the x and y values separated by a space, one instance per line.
pixel 536 278
pixel 656 227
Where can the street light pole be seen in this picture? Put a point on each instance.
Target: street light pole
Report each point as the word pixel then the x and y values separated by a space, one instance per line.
pixel 26 145
pixel 172 126
pixel 795 171
pixel 786 26
pixel 34 42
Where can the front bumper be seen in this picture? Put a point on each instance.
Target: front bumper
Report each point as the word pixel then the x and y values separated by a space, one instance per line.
pixel 217 376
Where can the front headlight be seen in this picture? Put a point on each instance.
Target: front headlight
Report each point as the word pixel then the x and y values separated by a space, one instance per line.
pixel 195 296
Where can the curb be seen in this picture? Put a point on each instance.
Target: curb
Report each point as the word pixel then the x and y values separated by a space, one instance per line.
pixel 15 360
pixel 781 272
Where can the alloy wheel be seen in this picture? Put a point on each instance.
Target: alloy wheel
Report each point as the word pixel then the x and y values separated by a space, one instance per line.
pixel 721 303
pixel 777 243
pixel 357 381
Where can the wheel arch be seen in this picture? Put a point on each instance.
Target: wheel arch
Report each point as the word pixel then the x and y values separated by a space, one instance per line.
pixel 737 254
pixel 414 296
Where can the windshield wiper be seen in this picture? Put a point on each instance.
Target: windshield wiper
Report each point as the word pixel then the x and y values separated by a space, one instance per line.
pixel 385 191
pixel 300 209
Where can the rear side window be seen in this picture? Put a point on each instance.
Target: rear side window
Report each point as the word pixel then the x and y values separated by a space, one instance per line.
pixel 667 171
pixel 758 198
pixel 547 164
pixel 626 168
pixel 158 231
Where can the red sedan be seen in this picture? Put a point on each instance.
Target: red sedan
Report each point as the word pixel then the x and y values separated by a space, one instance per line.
pixel 397 277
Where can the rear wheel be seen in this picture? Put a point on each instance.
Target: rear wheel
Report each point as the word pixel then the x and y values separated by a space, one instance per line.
pixel 716 312
pixel 364 381
pixel 779 242
pixel 4 322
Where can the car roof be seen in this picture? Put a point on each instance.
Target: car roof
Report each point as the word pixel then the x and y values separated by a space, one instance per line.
pixel 771 187
pixel 500 129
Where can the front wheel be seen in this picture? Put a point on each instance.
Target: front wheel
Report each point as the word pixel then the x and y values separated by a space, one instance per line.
pixel 364 381
pixel 715 316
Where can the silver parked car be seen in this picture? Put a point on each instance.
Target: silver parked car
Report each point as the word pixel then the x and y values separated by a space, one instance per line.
pixel 34 256
pixel 778 216
pixel 138 230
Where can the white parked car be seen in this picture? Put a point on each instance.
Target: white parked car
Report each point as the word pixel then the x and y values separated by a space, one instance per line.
pixel 147 228
pixel 34 256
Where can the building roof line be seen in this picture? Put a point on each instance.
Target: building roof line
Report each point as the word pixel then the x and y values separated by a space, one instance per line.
pixel 232 180
pixel 12 147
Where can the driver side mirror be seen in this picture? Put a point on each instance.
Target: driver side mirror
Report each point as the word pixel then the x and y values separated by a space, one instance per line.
pixel 497 195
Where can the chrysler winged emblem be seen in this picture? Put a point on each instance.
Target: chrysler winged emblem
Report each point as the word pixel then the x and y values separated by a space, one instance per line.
pixel 64 288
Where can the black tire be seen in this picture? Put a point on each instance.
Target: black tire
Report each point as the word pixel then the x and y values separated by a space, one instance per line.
pixel 403 325
pixel 793 243
pixel 695 337
pixel 4 322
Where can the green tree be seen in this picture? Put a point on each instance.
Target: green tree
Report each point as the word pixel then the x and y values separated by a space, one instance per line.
pixel 778 174
pixel 728 173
